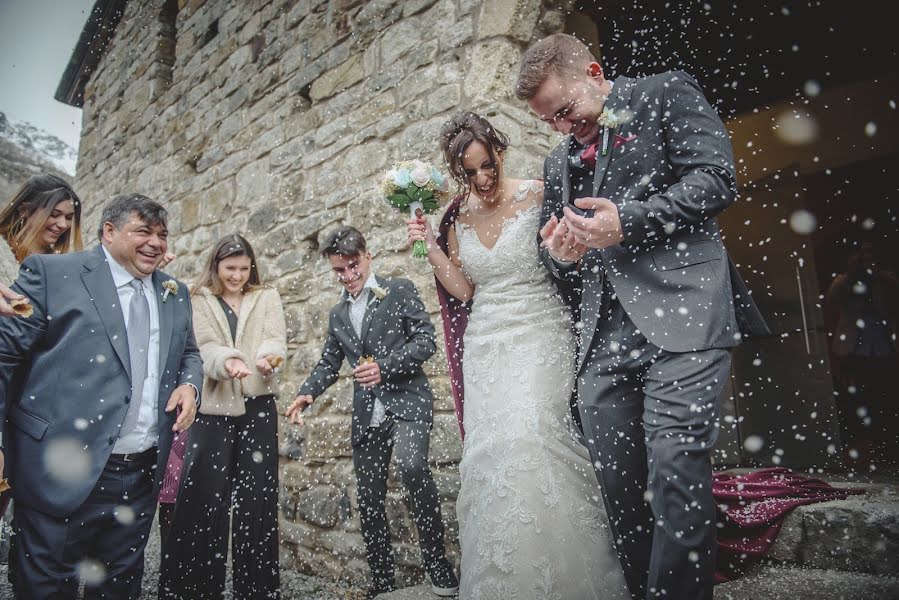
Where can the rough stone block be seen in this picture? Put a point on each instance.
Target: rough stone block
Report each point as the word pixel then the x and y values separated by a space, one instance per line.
pixel 514 19
pixel 492 71
pixel 337 79
pixel 328 438
pixel 254 184
pixel 400 38
pixel 319 506
pixel 190 213
pixel 446 444
pixel 808 584
pixel 296 533
pixel 373 110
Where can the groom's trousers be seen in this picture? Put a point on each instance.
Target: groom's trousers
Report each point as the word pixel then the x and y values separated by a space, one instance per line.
pixel 650 420
pixel 408 442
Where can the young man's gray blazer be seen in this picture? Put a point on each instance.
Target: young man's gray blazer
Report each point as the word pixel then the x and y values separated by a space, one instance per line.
pixel 398 333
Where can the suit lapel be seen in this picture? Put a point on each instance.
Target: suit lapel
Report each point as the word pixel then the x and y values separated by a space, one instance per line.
pixel 166 319
pixel 97 278
pixel 617 101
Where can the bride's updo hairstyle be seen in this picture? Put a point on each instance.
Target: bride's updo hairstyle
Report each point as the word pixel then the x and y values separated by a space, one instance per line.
pixel 459 132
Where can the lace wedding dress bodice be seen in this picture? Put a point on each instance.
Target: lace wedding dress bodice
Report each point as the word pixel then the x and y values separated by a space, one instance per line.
pixel 530 515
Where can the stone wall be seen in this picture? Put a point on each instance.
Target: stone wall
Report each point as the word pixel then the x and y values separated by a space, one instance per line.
pixel 275 118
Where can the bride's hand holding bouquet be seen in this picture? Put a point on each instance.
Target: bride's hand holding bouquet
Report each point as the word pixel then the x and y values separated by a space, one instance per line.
pixel 416 188
pixel 419 230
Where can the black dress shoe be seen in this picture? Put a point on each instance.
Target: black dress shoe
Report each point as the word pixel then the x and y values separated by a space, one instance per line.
pixel 443 580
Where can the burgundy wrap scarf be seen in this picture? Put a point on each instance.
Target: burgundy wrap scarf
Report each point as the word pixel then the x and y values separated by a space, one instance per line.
pixel 454 314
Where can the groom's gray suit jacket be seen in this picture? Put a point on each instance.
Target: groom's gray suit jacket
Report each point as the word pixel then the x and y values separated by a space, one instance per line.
pixel 398 333
pixel 65 376
pixel 671 273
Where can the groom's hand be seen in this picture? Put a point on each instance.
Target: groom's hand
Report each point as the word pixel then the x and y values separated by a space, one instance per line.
pixel 601 230
pixel 561 242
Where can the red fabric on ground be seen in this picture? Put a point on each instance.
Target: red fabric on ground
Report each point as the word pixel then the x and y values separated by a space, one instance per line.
pixel 752 508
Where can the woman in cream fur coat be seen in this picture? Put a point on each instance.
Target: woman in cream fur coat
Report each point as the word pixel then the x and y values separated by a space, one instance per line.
pixel 231 462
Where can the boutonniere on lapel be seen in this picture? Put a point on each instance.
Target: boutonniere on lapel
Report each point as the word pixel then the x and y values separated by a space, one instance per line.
pixel 379 293
pixel 608 120
pixel 171 287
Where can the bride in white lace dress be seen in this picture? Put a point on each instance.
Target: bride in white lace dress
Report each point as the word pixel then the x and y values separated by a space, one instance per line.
pixel 531 519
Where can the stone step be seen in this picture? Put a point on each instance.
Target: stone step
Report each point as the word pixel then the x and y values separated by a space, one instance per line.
pixel 859 534
pixel 782 583
pixel 769 583
pixel 838 550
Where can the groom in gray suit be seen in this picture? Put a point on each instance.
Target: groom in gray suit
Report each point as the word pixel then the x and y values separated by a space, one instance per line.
pixel 89 388
pixel 631 197
pixel 382 329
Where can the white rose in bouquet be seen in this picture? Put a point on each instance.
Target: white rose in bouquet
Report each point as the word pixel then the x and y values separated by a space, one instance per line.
pixel 421 175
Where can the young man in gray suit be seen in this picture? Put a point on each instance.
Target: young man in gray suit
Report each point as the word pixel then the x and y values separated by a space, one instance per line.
pixel 89 388
pixel 381 327
pixel 629 219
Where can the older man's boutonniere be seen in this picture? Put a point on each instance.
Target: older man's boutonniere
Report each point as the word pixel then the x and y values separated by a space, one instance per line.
pixel 171 287
pixel 608 120
pixel 379 292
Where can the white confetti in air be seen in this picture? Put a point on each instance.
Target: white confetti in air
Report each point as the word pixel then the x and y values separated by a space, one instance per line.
pixel 659 312
pixel 648 495
pixel 257 457
pixel 66 460
pixel 100 358
pixel 693 556
pixel 81 424
pixel 868 224
pixel 757 362
pixel 859 288
pixel 811 88
pixel 871 129
pixel 124 514
pixel 669 227
pixel 803 222
pixel 753 443
pixel 860 323
pixel 796 128
pixel 91 572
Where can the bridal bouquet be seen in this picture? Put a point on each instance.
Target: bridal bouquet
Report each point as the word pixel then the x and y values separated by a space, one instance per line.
pixel 415 187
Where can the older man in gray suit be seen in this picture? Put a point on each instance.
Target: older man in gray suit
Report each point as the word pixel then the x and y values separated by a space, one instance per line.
pixel 629 221
pixel 89 388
